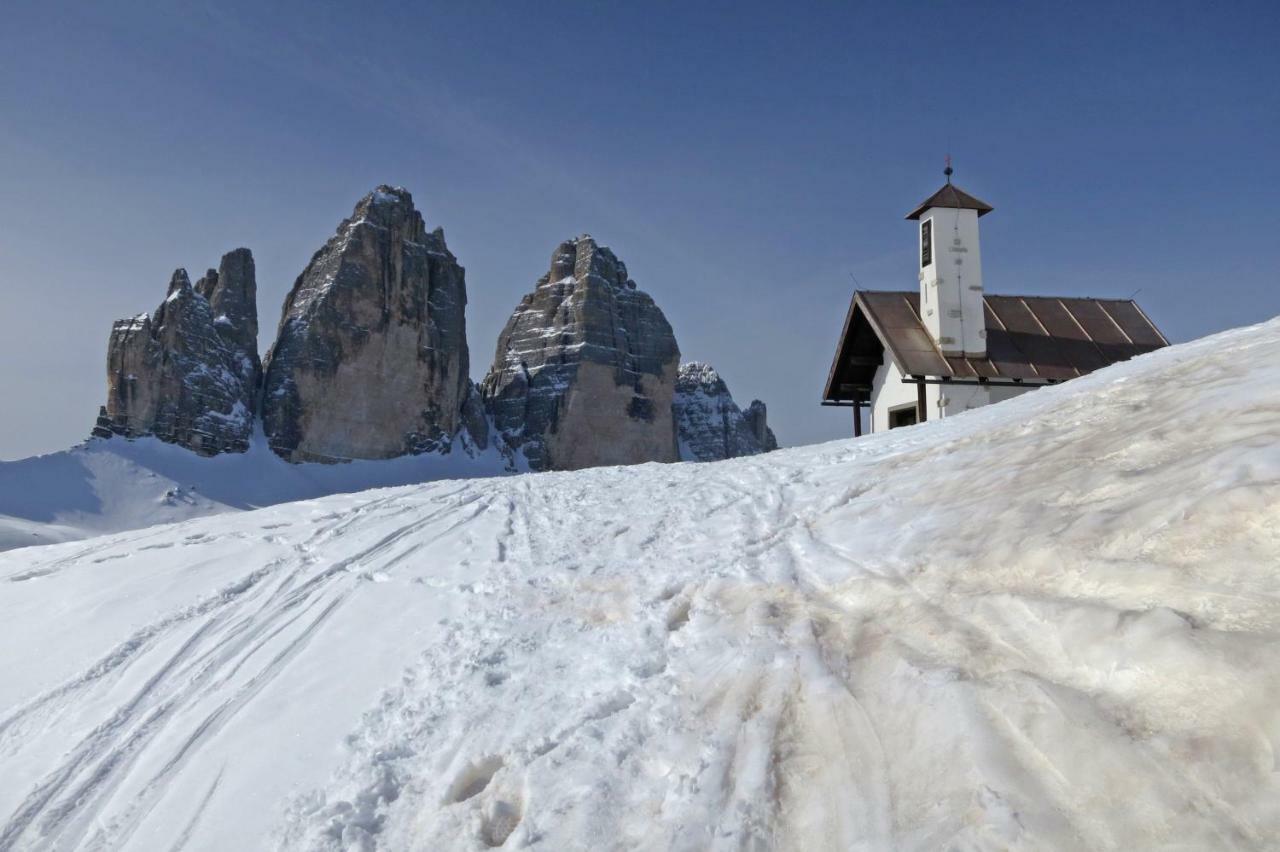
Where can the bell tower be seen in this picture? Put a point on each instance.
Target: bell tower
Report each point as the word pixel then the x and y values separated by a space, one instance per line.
pixel 951 269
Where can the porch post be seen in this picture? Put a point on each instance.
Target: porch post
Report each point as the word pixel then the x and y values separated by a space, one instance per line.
pixel 922 409
pixel 857 419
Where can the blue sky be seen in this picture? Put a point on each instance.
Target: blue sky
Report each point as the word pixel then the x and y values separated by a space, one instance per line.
pixel 747 162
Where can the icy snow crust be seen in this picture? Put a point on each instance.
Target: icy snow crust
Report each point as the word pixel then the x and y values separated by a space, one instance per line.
pixel 1050 623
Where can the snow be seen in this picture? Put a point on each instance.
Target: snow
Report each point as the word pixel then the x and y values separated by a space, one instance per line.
pixel 116 484
pixel 1045 624
pixel 238 414
pixel 381 197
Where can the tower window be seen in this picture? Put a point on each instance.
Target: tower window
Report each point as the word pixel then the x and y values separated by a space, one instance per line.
pixel 926 243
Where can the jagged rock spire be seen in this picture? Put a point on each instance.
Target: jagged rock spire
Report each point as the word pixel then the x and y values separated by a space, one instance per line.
pixel 187 373
pixel 710 424
pixel 585 368
pixel 370 360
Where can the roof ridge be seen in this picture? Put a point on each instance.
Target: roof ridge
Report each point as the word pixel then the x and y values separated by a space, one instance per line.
pixel 987 295
pixel 951 196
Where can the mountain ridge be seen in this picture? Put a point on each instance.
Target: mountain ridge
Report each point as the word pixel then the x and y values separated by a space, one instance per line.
pixel 371 358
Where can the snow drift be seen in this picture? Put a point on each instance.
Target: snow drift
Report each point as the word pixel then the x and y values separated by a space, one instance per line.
pixel 104 486
pixel 1049 623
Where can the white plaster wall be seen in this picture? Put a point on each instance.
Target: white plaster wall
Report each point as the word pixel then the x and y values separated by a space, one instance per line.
pixel 953 399
pixel 1000 394
pixel 951 286
pixel 888 391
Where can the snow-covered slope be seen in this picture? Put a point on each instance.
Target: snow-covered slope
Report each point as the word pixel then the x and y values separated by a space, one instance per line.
pixel 1049 623
pixel 111 485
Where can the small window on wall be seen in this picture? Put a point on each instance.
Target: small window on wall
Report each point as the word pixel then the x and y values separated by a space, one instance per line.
pixel 926 243
pixel 904 415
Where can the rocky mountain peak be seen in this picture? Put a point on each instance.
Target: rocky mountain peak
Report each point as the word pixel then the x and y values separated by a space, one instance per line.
pixel 187 373
pixel 371 360
pixel 582 258
pixel 584 369
pixel 179 284
pixel 390 207
pixel 710 424
pixel 697 376
pixel 757 417
pixel 371 357
pixel 232 293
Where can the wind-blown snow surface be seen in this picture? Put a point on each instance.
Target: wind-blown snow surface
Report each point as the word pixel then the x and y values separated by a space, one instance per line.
pixel 117 484
pixel 1050 623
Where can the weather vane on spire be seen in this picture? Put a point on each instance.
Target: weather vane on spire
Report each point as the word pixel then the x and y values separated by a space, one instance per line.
pixel 947 171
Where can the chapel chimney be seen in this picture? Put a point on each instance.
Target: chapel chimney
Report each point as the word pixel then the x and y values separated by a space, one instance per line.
pixel 951 269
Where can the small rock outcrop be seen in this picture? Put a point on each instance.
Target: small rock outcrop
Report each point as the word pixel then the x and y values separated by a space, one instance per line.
pixel 757 417
pixel 187 373
pixel 710 424
pixel 371 359
pixel 585 368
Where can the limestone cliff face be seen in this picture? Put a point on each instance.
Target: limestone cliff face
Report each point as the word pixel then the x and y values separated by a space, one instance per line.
pixel 710 424
pixel 756 416
pixel 585 368
pixel 371 359
pixel 232 293
pixel 187 373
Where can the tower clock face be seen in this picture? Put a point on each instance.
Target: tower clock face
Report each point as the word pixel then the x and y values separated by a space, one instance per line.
pixel 926 243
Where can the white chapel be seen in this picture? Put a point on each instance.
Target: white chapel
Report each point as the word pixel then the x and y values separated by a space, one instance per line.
pixel 909 356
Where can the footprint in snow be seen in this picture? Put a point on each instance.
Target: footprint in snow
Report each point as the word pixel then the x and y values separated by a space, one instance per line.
pixel 500 819
pixel 678 617
pixel 472 780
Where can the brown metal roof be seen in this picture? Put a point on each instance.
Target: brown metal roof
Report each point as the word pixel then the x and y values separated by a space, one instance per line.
pixel 951 196
pixel 1035 339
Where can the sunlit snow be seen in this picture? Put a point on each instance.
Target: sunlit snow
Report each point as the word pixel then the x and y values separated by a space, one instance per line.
pixel 1049 623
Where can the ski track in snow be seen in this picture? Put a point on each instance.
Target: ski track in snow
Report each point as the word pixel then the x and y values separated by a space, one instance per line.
pixel 1047 624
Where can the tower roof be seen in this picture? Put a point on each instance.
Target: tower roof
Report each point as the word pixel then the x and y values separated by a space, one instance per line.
pixel 951 196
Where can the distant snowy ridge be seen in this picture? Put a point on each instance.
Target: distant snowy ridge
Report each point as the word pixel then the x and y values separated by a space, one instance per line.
pixel 709 424
pixel 105 486
pixel 1045 624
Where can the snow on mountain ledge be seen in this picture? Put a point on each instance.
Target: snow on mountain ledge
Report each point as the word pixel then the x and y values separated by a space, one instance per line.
pixel 1048 623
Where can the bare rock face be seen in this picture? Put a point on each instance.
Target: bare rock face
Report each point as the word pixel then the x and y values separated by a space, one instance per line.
pixel 756 416
pixel 187 373
pixel 232 292
pixel 710 424
pixel 585 368
pixel 371 360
